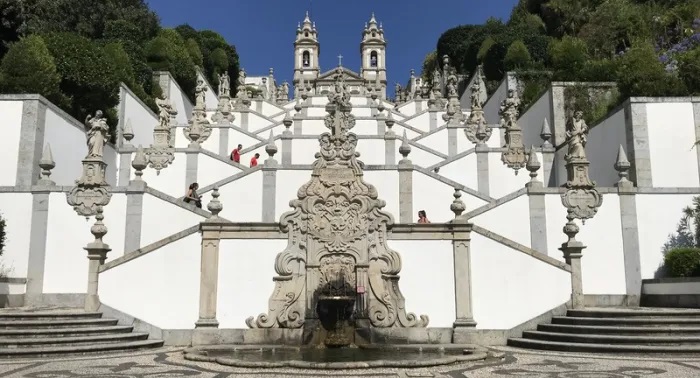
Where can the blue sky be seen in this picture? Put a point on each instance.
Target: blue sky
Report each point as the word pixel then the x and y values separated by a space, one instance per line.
pixel 263 30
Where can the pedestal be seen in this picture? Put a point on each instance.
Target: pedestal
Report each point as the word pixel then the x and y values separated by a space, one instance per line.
pixel 97 254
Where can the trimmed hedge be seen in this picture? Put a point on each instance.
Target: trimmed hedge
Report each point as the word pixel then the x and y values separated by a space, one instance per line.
pixel 683 262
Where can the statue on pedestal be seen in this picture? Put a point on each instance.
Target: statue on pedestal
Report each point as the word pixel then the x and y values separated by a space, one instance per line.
pixel 97 134
pixel 509 110
pixel 224 85
pixel 577 134
pixel 200 95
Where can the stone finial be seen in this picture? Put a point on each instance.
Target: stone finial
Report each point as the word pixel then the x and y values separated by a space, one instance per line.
pixel 546 134
pixel 380 106
pixel 405 148
pixel 272 71
pixel 457 205
pixel 215 205
pixel 128 132
pixel 99 230
pixel 533 164
pixel 46 164
pixel 389 121
pixel 622 166
pixel 271 147
pixel 139 163
pixel 287 121
pixel 297 106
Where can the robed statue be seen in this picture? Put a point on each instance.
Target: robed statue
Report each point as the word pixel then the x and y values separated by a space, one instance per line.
pixel 577 134
pixel 97 134
pixel 509 110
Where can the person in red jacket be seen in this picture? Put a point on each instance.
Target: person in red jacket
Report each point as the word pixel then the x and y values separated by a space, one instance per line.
pixel 236 154
pixel 254 161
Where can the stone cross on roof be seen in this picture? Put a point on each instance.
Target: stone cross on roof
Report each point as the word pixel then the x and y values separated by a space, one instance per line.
pixel 340 60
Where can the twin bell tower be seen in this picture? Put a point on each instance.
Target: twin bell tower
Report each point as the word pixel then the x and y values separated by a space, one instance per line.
pixel 307 50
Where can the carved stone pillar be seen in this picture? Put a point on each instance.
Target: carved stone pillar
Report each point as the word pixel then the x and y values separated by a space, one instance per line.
pixel 630 230
pixel 244 118
pixel 134 204
pixel 405 183
pixel 97 254
pixel 581 200
pixel 464 315
pixel 209 272
pixel 297 118
pixel 39 230
pixel 191 164
pixel 269 190
pixel 287 141
pixel 538 213
pixel 389 141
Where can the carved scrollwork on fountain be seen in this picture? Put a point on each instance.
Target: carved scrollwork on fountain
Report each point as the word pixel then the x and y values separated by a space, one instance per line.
pixel 336 229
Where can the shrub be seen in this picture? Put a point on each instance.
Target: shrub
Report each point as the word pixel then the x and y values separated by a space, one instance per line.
pixel 568 57
pixel 683 262
pixel 689 70
pixel 640 73
pixel 28 67
pixel 88 75
pixel 517 56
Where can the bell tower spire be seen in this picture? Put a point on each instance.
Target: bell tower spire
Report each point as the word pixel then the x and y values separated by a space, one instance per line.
pixel 373 50
pixel 307 50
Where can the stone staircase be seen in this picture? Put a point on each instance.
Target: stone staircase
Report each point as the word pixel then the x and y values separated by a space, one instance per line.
pixel 48 332
pixel 617 330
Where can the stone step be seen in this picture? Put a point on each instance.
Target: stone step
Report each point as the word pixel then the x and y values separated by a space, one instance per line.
pixel 617 330
pixel 626 321
pixel 612 339
pixel 34 342
pixel 47 315
pixel 58 323
pixel 64 332
pixel 641 312
pixel 78 349
pixel 601 348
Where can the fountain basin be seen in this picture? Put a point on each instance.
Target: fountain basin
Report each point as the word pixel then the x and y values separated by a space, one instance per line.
pixel 356 357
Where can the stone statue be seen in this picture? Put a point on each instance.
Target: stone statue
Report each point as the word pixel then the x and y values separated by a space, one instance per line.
pixel 241 78
pixel 97 134
pixel 509 110
pixel 285 90
pixel 452 86
pixel 224 84
pixel 577 134
pixel 475 95
pixel 200 95
pixel 436 79
pixel 165 112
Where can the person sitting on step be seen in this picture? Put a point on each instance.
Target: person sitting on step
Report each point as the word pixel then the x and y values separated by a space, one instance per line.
pixel 423 217
pixel 192 195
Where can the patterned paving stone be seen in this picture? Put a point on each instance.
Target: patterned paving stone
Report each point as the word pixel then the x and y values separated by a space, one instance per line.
pixel 168 362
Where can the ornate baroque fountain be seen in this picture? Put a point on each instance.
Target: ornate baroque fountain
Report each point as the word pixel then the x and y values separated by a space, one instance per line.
pixel 337 263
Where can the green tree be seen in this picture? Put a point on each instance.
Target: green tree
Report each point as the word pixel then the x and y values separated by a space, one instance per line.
pixel 568 57
pixel 196 54
pixel 640 73
pixel 517 56
pixel 3 235
pixel 88 76
pixel 429 65
pixel 612 27
pixel 167 52
pixel 28 67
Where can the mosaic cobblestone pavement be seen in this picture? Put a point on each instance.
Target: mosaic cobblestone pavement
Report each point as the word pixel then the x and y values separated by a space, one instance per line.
pixel 168 362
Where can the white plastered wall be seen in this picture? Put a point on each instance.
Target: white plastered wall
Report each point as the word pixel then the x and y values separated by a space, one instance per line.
pixel 11 119
pixel 674 161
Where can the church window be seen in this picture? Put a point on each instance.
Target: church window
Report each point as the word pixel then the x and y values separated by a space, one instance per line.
pixel 306 34
pixel 373 59
pixel 306 59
